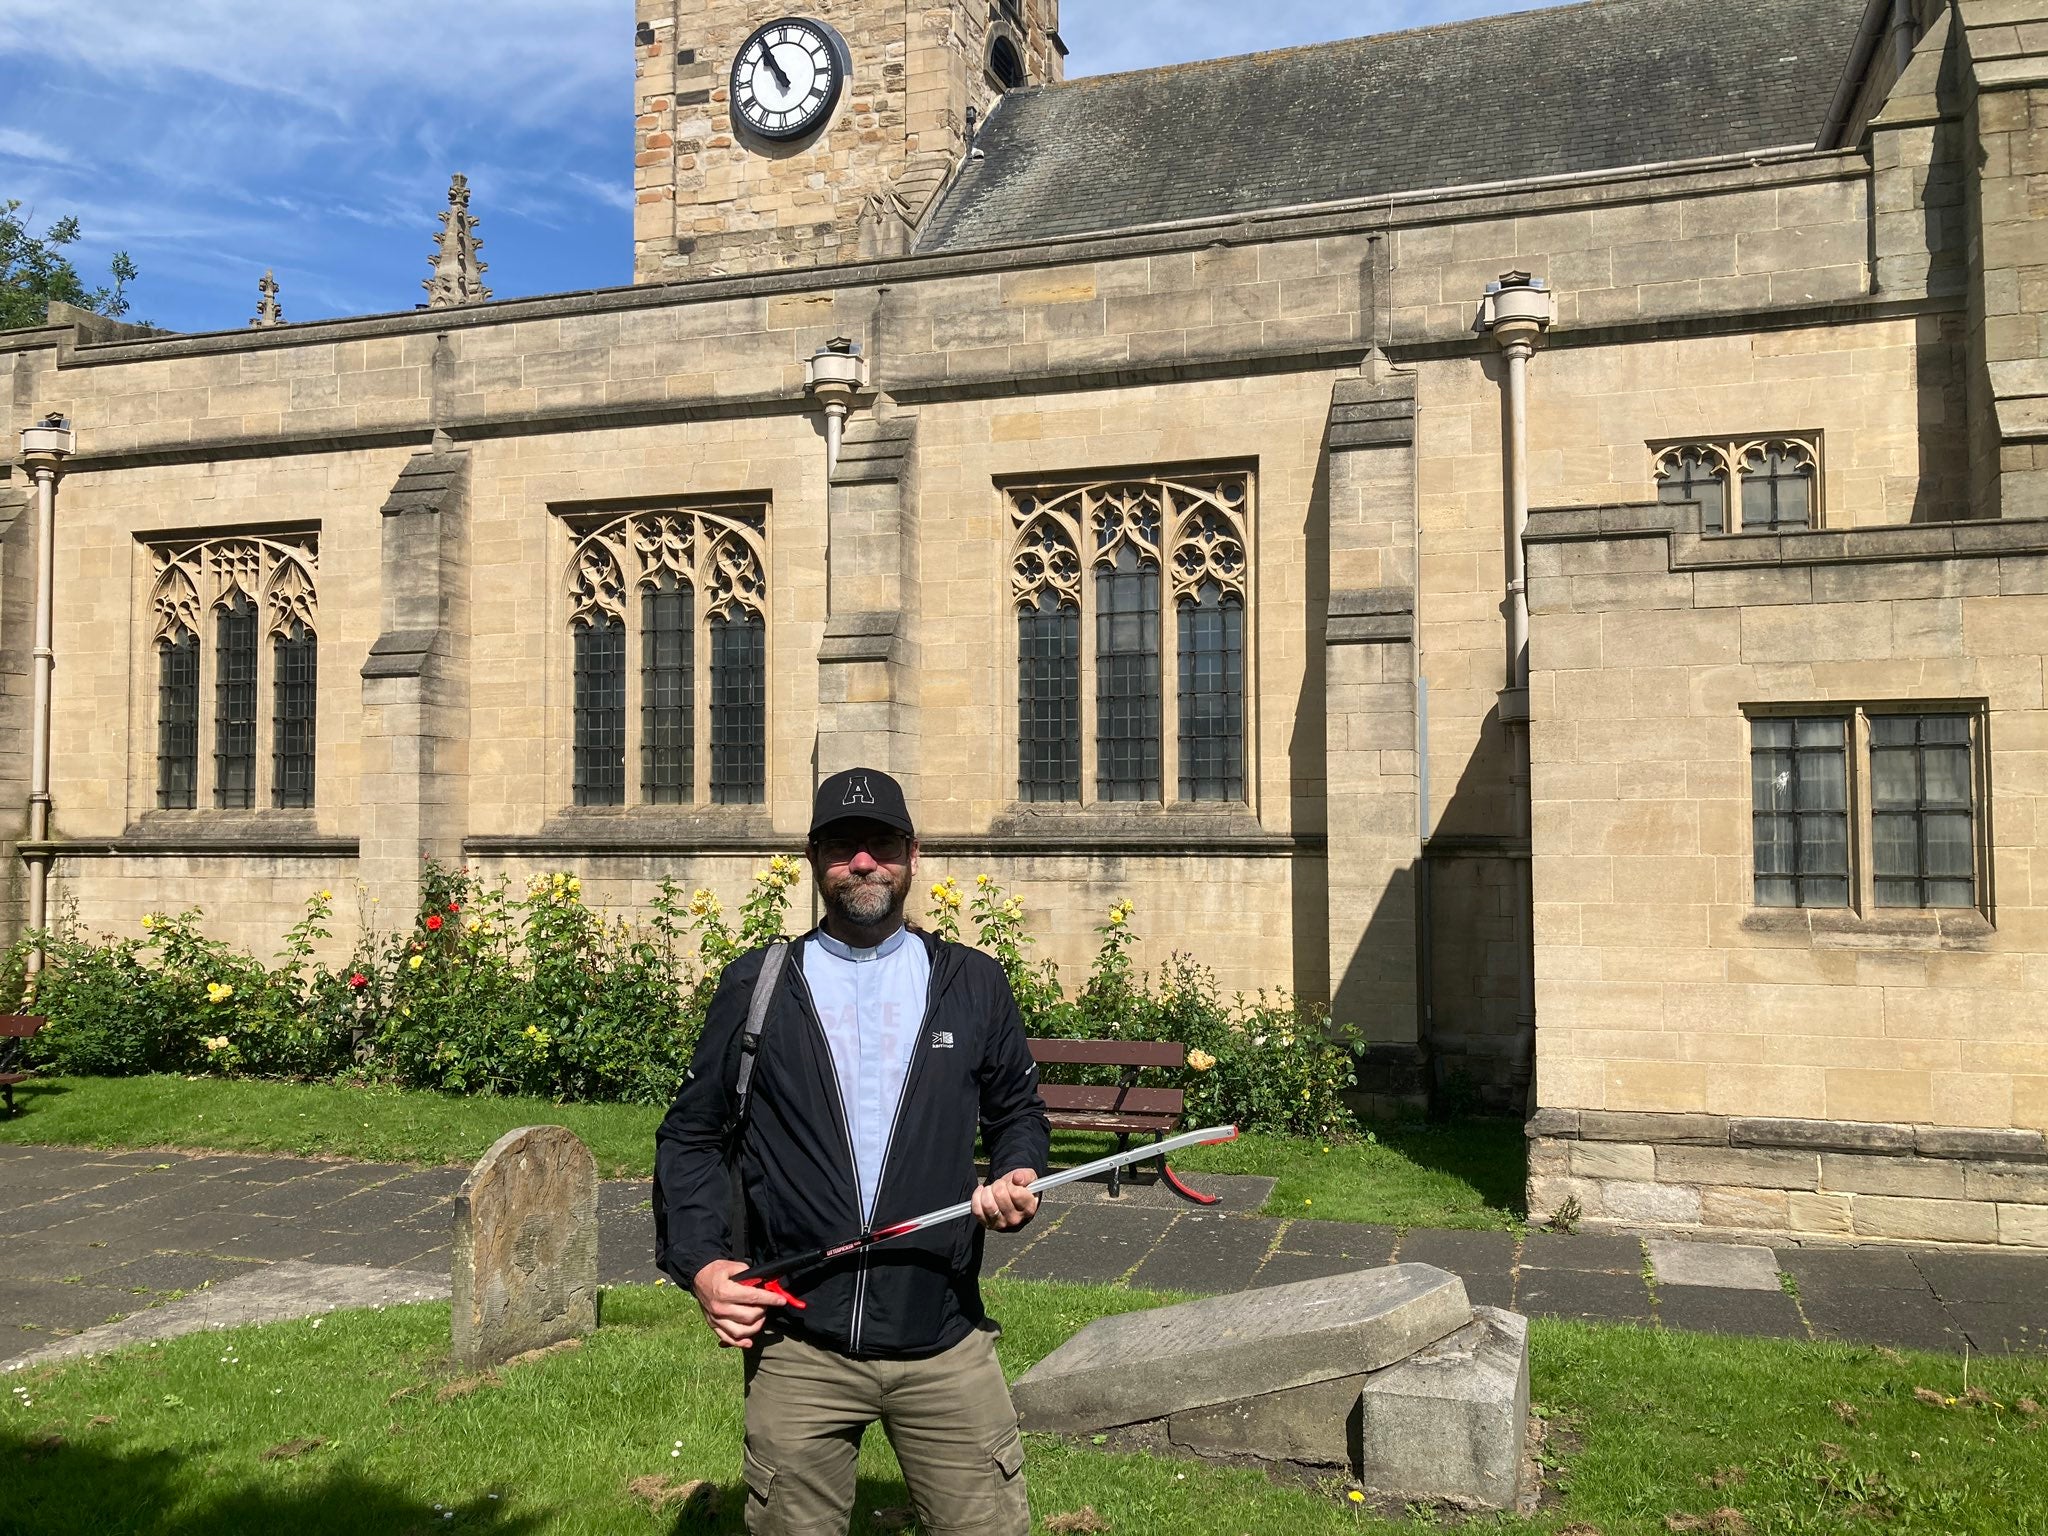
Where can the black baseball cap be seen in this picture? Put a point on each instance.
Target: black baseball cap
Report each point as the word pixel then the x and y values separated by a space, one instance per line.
pixel 861 794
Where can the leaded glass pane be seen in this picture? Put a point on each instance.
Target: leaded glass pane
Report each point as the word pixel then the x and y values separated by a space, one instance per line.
pixel 1798 772
pixel 295 657
pixel 1694 476
pixel 1049 701
pixel 1211 632
pixel 177 723
pixel 1923 833
pixel 668 692
pixel 234 706
pixel 1777 488
pixel 601 711
pixel 1127 678
pixel 739 709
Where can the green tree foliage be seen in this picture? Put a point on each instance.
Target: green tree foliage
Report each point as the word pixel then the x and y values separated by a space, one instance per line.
pixel 34 270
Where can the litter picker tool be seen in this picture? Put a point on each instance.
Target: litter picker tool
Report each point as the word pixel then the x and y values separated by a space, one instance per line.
pixel 770 1276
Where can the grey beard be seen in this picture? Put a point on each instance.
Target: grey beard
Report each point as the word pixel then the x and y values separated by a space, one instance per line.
pixel 868 902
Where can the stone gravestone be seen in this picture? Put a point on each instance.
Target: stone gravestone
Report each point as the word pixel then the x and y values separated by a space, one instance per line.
pixel 525 1246
pixel 1390 1373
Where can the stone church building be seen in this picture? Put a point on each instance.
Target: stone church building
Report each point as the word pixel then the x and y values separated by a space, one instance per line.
pixel 1534 531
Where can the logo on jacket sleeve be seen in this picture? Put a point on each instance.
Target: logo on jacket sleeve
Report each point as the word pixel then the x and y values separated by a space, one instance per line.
pixel 858 793
pixel 942 1039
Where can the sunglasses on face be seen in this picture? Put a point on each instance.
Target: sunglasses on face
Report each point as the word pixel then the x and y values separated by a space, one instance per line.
pixel 882 847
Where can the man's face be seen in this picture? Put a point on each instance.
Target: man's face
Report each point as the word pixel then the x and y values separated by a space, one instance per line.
pixel 864 870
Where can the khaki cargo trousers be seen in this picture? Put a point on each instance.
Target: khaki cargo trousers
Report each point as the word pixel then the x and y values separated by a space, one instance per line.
pixel 949 1418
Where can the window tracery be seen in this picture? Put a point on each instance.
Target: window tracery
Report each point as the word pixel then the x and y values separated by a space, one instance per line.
pixel 1776 481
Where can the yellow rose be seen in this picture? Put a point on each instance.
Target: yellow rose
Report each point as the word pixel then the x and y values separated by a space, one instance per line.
pixel 414 963
pixel 218 991
pixel 327 895
pixel 148 922
pixel 1201 1061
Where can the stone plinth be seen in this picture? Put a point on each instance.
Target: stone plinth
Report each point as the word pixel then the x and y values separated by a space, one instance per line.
pixel 1144 1366
pixel 1448 1422
pixel 525 1269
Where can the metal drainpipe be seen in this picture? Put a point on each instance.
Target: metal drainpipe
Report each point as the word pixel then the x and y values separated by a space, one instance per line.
pixel 1516 311
pixel 44 447
pixel 1904 34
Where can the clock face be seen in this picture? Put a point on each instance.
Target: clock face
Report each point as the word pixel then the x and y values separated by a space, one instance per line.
pixel 788 77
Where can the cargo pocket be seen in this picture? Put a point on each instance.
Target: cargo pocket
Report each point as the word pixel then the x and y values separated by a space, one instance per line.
pixel 1011 1509
pixel 760 1484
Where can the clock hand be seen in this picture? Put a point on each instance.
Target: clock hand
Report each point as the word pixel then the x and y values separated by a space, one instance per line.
pixel 768 57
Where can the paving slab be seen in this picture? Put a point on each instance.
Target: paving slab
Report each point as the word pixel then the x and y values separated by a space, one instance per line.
pixel 1592 1295
pixel 275 1293
pixel 1139 1366
pixel 1954 1275
pixel 1994 1328
pixel 1484 1260
pixel 1730 1309
pixel 1729 1266
pixel 1866 1315
pixel 51 1306
pixel 1592 1251
pixel 1341 1238
pixel 165 1271
pixel 1091 1245
pixel 1856 1268
pixel 1206 1254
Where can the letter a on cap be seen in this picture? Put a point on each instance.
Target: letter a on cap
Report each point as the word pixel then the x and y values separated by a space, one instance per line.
pixel 857 792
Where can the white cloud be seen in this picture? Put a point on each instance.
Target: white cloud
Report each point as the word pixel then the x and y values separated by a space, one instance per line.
pixel 20 144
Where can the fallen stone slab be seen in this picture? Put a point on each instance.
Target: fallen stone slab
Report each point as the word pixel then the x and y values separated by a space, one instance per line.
pixel 271 1294
pixel 1448 1422
pixel 1730 1266
pixel 1141 1366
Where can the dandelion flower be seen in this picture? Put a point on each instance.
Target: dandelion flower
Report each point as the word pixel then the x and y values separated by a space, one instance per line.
pixel 1355 1496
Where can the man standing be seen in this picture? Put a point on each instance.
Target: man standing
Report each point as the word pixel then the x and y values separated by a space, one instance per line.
pixel 881 1052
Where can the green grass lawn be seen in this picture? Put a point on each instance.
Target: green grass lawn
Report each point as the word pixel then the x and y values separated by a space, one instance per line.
pixel 1468 1174
pixel 1798 1439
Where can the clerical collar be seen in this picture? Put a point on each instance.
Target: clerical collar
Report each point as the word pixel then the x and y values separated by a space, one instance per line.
pixel 881 951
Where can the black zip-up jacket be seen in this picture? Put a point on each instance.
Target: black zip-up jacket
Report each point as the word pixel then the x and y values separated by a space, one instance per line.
pixel 970 1071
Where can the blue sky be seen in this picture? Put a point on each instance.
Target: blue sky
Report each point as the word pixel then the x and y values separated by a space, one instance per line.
pixel 214 138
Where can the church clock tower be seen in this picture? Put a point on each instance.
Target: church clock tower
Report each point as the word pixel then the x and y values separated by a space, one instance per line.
pixel 789 133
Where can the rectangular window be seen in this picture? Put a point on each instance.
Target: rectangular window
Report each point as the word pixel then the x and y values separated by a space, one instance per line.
pixel 668 688
pixel 1127 679
pixel 295 660
pixel 1049 701
pixel 739 710
pixel 1775 481
pixel 1799 783
pixel 601 711
pixel 177 722
pixel 234 707
pixel 1211 697
pixel 1922 822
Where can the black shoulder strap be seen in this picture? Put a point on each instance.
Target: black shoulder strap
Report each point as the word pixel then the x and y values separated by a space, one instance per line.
pixel 757 1020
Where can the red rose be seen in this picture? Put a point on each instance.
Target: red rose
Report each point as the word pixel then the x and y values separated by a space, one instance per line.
pixel 454 906
pixel 434 923
pixel 359 981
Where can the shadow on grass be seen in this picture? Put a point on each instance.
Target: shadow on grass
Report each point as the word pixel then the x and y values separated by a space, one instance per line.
pixel 86 1489
pixel 96 1490
pixel 1491 1154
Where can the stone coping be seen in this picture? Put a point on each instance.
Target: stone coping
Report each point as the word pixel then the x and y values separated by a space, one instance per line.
pixel 1079 841
pixel 1880 1139
pixel 1693 551
pixel 224 843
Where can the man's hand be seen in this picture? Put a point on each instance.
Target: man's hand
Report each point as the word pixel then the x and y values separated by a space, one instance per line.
pixel 1008 1203
pixel 735 1312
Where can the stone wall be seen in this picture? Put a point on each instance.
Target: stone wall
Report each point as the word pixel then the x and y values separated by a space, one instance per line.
pixel 1665 993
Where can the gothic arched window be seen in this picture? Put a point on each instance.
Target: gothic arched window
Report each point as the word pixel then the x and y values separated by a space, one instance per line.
pixel 233 614
pixel 1152 544
pixel 685 589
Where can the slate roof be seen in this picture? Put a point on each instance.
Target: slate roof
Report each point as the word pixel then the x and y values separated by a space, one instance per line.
pixel 1574 88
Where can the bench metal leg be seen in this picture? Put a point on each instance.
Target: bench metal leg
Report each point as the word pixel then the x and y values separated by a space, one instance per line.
pixel 1116 1175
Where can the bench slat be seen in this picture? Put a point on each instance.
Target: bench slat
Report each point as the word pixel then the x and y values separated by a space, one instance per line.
pixel 19 1026
pixel 1137 1125
pixel 1069 1098
pixel 1109 1053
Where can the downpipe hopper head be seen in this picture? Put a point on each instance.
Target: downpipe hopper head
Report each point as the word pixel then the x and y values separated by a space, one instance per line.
pixel 836 371
pixel 1516 308
pixel 50 441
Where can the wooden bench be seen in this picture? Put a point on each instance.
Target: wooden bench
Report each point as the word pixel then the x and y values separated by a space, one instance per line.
pixel 1122 1109
pixel 15 1029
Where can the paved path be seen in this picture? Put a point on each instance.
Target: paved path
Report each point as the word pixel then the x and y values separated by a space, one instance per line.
pixel 89 1236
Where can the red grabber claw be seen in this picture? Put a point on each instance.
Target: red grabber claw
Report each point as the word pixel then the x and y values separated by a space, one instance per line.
pixel 774 1288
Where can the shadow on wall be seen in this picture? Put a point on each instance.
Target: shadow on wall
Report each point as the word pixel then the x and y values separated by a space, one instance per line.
pixel 1308 752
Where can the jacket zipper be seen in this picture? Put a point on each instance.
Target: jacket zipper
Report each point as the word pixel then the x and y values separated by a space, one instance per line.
pixel 920 1052
pixel 860 1282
